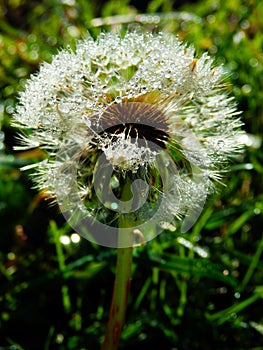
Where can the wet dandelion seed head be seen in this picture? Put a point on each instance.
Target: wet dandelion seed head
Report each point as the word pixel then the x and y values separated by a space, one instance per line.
pixel 144 102
pixel 130 134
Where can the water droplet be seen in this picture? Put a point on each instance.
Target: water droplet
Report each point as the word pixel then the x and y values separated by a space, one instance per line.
pixel 46 121
pixel 59 338
pixel 245 24
pixel 118 99
pixel 253 62
pixel 88 123
pixel 221 143
pixel 237 295
pixel 234 316
pixel 63 108
pixel 211 19
pixel 246 89
pixel 89 104
pixel 114 182
pixel 114 206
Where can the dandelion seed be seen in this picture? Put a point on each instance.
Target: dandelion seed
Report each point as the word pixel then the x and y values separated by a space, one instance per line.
pixel 142 108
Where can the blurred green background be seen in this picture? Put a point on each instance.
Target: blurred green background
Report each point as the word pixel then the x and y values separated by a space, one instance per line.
pixel 198 290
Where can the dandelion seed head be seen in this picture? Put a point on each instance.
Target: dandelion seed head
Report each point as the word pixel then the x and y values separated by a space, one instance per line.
pixel 147 105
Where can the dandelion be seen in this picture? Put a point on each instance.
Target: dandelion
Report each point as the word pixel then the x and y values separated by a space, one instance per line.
pixel 142 102
pixel 140 110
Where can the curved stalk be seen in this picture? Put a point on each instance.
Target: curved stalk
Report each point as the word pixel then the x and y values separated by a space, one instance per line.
pixel 122 280
pixel 119 299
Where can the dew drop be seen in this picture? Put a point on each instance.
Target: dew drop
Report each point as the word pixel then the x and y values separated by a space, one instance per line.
pixel 63 108
pixel 167 163
pixel 221 143
pixel 89 104
pixel 46 121
pixel 246 89
pixel 114 206
pixel 253 62
pixel 114 182
pixel 118 99
pixel 88 123
pixel 237 295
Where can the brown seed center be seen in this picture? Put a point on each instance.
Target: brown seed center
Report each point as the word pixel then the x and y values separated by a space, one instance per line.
pixel 137 121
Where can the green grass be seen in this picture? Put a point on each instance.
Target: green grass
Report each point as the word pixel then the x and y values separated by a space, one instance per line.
pixel 200 295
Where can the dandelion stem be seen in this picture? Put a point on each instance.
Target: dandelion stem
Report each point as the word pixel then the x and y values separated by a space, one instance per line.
pixel 119 299
pixel 121 285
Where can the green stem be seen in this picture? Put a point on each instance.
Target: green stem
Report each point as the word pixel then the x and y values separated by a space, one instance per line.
pixel 119 299
pixel 122 281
